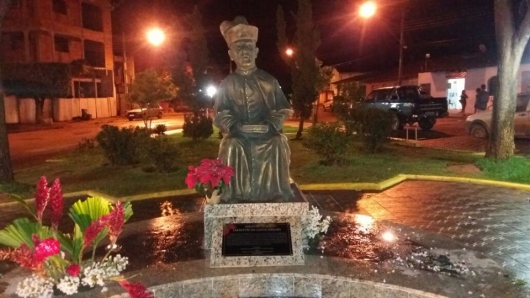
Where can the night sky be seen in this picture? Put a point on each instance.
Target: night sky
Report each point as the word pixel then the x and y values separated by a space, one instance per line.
pixel 437 27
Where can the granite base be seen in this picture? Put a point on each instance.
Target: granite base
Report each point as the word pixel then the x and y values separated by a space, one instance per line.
pixel 217 215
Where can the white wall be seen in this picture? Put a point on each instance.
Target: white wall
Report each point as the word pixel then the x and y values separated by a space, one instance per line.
pixel 10 104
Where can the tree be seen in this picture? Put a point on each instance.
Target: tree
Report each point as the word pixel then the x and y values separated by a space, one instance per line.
pixel 305 71
pixel 149 88
pixel 190 73
pixel 512 27
pixel 38 81
pixel 6 169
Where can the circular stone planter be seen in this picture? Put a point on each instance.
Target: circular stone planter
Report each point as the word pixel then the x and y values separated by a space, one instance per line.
pixel 283 285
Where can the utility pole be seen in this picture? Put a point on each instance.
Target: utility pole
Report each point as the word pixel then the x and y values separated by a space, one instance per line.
pixel 401 46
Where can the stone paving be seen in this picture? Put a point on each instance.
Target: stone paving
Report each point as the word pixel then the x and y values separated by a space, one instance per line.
pixel 492 220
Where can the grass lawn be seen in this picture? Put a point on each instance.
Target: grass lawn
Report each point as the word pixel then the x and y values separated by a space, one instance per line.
pixel 89 170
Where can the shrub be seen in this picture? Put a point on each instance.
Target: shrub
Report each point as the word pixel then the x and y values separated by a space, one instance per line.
pixel 125 146
pixel 160 129
pixel 163 154
pixel 197 127
pixel 86 144
pixel 373 125
pixel 329 140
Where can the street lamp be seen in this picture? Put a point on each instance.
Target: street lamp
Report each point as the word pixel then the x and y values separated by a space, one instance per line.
pixel 367 9
pixel 211 91
pixel 156 36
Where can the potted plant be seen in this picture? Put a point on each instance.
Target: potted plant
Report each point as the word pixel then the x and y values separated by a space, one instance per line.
pixel 209 179
pixel 56 258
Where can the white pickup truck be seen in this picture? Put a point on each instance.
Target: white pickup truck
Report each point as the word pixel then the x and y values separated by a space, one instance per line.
pixel 479 125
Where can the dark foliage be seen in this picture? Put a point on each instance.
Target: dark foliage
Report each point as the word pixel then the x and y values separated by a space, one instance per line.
pixel 163 154
pixel 373 125
pixel 197 127
pixel 125 146
pixel 329 140
pixel 160 129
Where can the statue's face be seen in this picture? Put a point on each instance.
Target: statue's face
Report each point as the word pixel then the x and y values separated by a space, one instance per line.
pixel 244 53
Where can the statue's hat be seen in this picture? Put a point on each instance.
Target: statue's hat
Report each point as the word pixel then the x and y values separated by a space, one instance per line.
pixel 238 29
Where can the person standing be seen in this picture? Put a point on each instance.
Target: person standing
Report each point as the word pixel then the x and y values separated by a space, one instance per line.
pixel 477 102
pixel 484 97
pixel 463 101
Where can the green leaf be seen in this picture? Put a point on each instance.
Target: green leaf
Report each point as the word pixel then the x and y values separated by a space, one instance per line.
pixel 77 243
pixel 22 202
pixel 128 210
pixel 85 212
pixel 21 230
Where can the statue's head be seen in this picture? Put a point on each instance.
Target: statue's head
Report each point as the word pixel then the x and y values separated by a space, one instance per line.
pixel 241 39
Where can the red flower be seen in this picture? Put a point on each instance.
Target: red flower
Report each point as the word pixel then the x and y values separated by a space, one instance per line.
pixel 73 270
pixel 192 178
pixel 23 256
pixel 93 230
pixel 210 172
pixel 56 203
pixel 136 289
pixel 41 197
pixel 45 248
pixel 114 221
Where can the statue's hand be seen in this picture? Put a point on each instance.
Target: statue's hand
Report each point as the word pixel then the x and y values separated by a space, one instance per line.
pixel 253 128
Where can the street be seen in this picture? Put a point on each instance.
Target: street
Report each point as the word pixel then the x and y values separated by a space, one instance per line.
pixel 32 148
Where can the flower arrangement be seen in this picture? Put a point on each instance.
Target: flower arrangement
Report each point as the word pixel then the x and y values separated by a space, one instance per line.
pixel 209 178
pixel 56 258
pixel 314 224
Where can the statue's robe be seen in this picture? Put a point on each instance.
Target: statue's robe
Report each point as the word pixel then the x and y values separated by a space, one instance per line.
pixel 260 160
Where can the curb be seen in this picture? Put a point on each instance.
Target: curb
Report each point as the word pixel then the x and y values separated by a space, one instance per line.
pixel 402 177
pixel 317 186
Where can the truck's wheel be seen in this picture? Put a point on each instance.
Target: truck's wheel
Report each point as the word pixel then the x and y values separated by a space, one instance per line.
pixel 427 123
pixel 479 131
pixel 396 123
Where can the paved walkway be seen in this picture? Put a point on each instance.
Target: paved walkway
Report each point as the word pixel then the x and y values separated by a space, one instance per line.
pixel 487 219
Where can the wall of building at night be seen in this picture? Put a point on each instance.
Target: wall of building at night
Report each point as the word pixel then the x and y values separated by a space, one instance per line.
pixel 60 31
pixel 437 81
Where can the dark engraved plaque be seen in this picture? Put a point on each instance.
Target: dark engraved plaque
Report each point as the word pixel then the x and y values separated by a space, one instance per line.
pixel 257 239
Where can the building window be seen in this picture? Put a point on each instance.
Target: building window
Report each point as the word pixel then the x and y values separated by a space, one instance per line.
pixel 59 6
pixel 62 44
pixel 14 41
pixel 94 53
pixel 92 17
pixel 426 88
pixel 16 4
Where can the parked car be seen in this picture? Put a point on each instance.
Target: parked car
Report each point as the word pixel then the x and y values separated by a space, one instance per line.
pixel 327 105
pixel 410 104
pixel 479 125
pixel 150 112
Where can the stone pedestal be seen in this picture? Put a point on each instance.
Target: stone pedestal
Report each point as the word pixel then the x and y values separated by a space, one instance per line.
pixel 216 216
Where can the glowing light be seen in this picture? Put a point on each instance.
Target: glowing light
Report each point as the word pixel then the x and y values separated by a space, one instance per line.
pixel 367 9
pixel 211 91
pixel 156 36
pixel 289 52
pixel 364 222
pixel 388 236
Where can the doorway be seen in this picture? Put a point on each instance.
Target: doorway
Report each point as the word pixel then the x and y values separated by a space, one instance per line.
pixel 454 89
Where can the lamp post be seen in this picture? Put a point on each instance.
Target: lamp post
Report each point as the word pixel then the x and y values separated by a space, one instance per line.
pixel 401 46
pixel 155 37
pixel 367 10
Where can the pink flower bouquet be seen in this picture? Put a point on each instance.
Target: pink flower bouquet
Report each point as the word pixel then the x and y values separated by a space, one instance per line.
pixel 56 258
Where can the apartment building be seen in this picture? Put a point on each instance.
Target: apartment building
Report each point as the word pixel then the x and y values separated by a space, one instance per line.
pixel 62 31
